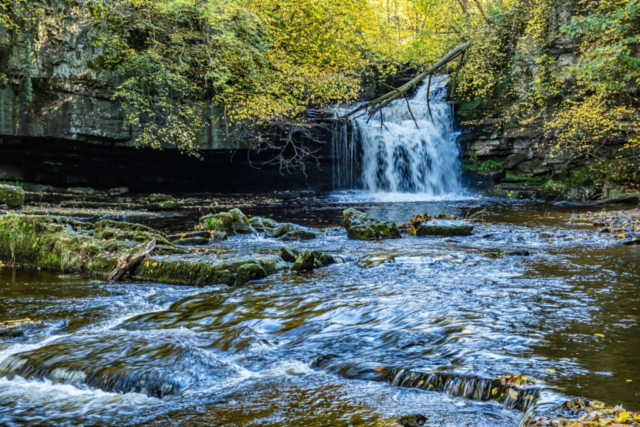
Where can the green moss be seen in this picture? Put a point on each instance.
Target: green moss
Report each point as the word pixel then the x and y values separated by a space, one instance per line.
pixel 442 230
pixel 11 196
pixel 488 165
pixel 553 190
pixel 232 222
pixel 525 180
pixel 381 230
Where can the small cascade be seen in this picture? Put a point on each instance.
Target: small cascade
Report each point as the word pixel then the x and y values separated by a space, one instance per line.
pixel 514 392
pixel 407 147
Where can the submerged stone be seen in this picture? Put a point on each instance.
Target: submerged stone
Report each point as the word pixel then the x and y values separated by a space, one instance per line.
pixel 12 196
pixel 444 230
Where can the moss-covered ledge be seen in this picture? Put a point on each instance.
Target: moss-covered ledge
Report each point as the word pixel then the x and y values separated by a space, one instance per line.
pixel 65 245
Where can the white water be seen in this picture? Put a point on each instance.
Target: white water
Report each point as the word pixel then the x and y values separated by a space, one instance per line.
pixel 400 155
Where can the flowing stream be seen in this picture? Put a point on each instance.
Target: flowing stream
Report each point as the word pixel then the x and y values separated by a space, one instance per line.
pixel 408 147
pixel 304 349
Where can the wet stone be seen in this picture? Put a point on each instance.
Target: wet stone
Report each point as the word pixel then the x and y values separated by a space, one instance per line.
pixel 444 230
pixel 249 272
pixel 288 254
pixel 414 420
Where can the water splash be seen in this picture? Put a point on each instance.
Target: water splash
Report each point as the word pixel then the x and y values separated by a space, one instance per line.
pixel 391 152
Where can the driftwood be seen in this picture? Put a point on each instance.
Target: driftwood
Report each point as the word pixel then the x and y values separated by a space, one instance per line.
pixel 128 262
pixel 631 197
pixel 378 104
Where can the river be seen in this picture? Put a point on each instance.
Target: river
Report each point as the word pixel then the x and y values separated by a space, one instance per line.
pixel 290 350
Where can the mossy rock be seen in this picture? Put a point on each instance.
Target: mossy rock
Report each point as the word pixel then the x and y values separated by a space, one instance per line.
pixel 288 254
pixel 86 191
pixel 249 272
pixel 297 235
pixel 352 217
pixel 11 196
pixel 381 230
pixel 444 230
pixel 232 222
pixel 263 224
pixel 306 261
pixel 108 229
pixel 193 241
pixel 162 206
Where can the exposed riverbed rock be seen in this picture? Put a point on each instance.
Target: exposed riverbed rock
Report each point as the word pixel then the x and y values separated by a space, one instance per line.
pixel 289 232
pixel 66 245
pixel 12 196
pixel 288 254
pixel 232 222
pixel 249 272
pixel 414 420
pixel 362 226
pixel 444 230
pixel 263 224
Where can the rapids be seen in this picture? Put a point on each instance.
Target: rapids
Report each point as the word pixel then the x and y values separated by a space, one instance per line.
pixel 305 349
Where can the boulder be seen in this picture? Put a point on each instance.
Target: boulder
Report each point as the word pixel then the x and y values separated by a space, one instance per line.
pixel 263 224
pixel 11 196
pixel 444 230
pixel 351 217
pixel 162 206
pixel 232 222
pixel 289 232
pixel 249 272
pixel 306 261
pixel 380 230
pixel 120 191
pixel 288 254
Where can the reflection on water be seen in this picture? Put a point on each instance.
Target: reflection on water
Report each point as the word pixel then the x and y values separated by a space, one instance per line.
pixel 292 349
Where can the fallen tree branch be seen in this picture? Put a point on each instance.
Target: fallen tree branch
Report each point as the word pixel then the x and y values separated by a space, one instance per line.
pixel 381 102
pixel 128 262
pixel 631 197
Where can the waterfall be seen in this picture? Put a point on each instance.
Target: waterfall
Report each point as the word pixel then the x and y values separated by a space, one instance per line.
pixel 399 154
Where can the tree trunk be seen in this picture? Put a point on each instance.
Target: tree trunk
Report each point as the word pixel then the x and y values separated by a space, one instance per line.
pixel 379 103
pixel 127 262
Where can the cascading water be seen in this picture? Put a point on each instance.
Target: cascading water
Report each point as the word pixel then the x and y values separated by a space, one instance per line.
pixel 399 154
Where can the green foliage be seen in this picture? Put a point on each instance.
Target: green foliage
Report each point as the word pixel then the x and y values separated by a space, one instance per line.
pixel 488 165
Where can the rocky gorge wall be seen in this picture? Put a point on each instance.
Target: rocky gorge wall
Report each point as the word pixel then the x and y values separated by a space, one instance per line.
pixel 508 152
pixel 72 132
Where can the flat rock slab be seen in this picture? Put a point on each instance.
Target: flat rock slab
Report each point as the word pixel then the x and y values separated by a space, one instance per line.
pixel 444 228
